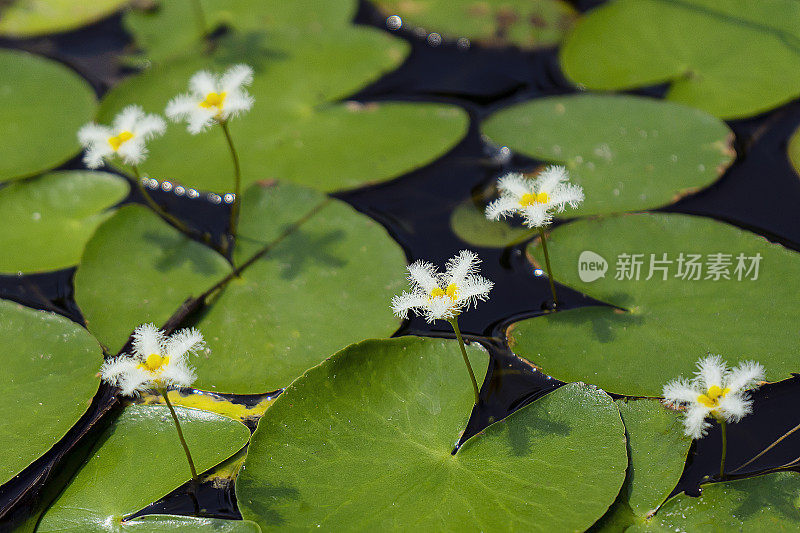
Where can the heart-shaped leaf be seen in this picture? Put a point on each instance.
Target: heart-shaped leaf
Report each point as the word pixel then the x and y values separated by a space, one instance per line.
pixel 45 222
pixel 138 460
pixel 364 440
pixel 38 130
pixel 711 53
pixel 671 318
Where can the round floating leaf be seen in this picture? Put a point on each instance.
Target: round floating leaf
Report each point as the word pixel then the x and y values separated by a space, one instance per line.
pixel 494 22
pixel 44 105
pixel 364 440
pixel 281 316
pixel 297 129
pixel 48 379
pixel 661 327
pixel 794 150
pixel 138 460
pixel 712 53
pixel 657 447
pixel 188 524
pixel 30 18
pixel 766 503
pixel 173 26
pixel 45 222
pixel 143 269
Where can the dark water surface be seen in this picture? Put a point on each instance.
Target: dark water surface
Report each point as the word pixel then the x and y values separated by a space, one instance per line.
pixel 759 192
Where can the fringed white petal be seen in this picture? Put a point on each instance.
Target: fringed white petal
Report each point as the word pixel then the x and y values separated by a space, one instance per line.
pixel 134 382
pixel 127 119
pixel 133 152
pixel 694 423
pixel 202 83
pixel 96 153
pixel 236 103
pixel 236 77
pixel 711 371
pixel 536 216
pixel 745 376
pixel 566 193
pixel 199 120
pixel 441 308
pixel 92 133
pixel 181 342
pixel 181 107
pixel 177 374
pixel 515 185
pixel 502 207
pixel 459 267
pixel 550 178
pixel 149 127
pixel 422 276
pixel 403 303
pixel 735 406
pixel 473 289
pixel 680 392
pixel 148 339
pixel 113 369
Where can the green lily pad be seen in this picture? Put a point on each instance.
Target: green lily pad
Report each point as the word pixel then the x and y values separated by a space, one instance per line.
pixel 297 130
pixel 172 27
pixel 627 152
pixel 189 524
pixel 711 53
pixel 658 449
pixel 281 316
pixel 364 440
pixel 138 460
pixel 38 130
pixel 48 380
pixel 661 327
pixel 794 150
pixel 766 503
pixel 490 22
pixel 45 222
pixel 31 18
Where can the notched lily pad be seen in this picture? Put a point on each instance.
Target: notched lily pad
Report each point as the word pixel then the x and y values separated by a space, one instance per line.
pixel 48 380
pixel 672 318
pixel 765 503
pixel 280 317
pixel 46 222
pixel 39 130
pixel 138 460
pixel 489 22
pixel 298 129
pixel 711 53
pixel 31 18
pixel 401 404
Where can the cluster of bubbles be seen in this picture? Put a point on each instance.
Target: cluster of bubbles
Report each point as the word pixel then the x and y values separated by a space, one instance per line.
pixel 179 190
pixel 394 23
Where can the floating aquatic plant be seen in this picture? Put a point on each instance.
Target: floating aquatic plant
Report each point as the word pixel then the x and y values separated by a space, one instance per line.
pixel 535 200
pixel 158 362
pixel 216 99
pixel 715 392
pixel 444 296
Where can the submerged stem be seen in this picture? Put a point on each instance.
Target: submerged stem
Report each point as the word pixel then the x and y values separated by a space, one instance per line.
pixel 180 434
pixel 237 182
pixel 154 206
pixel 549 270
pixel 454 322
pixel 724 427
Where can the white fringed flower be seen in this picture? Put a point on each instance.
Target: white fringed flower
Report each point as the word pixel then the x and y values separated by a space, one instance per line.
pixel 715 391
pixel 443 296
pixel 126 138
pixel 157 361
pixel 212 98
pixel 535 199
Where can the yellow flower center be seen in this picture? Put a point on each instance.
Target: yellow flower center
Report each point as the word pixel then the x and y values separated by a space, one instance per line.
pixel 117 140
pixel 451 292
pixel 154 363
pixel 213 100
pixel 530 199
pixel 711 398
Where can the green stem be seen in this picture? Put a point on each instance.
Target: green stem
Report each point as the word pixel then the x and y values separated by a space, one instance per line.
pixel 454 322
pixel 547 264
pixel 180 434
pixel 237 182
pixel 154 206
pixel 724 428
pixel 200 18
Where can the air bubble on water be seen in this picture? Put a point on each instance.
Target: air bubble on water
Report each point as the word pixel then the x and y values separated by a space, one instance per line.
pixel 701 167
pixel 394 22
pixel 179 190
pixel 674 158
pixel 538 272
pixel 166 186
pixel 152 183
pixel 616 192
pixel 191 193
pixel 434 39
pixel 420 32
pixel 214 198
pixel 229 198
pixel 463 43
pixel 502 155
pixel 36 216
